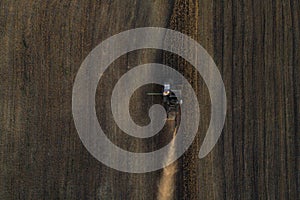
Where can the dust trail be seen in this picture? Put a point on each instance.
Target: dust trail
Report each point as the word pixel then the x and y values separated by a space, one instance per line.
pixel 166 185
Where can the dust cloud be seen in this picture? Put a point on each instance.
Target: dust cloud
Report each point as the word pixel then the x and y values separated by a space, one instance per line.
pixel 166 185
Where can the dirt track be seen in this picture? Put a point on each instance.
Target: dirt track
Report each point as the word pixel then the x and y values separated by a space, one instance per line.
pixel 255 45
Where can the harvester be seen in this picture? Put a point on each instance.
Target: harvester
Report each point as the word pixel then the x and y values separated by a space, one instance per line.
pixel 171 99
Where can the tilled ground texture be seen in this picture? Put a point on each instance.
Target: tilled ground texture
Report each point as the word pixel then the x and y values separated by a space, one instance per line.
pixel 255 45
